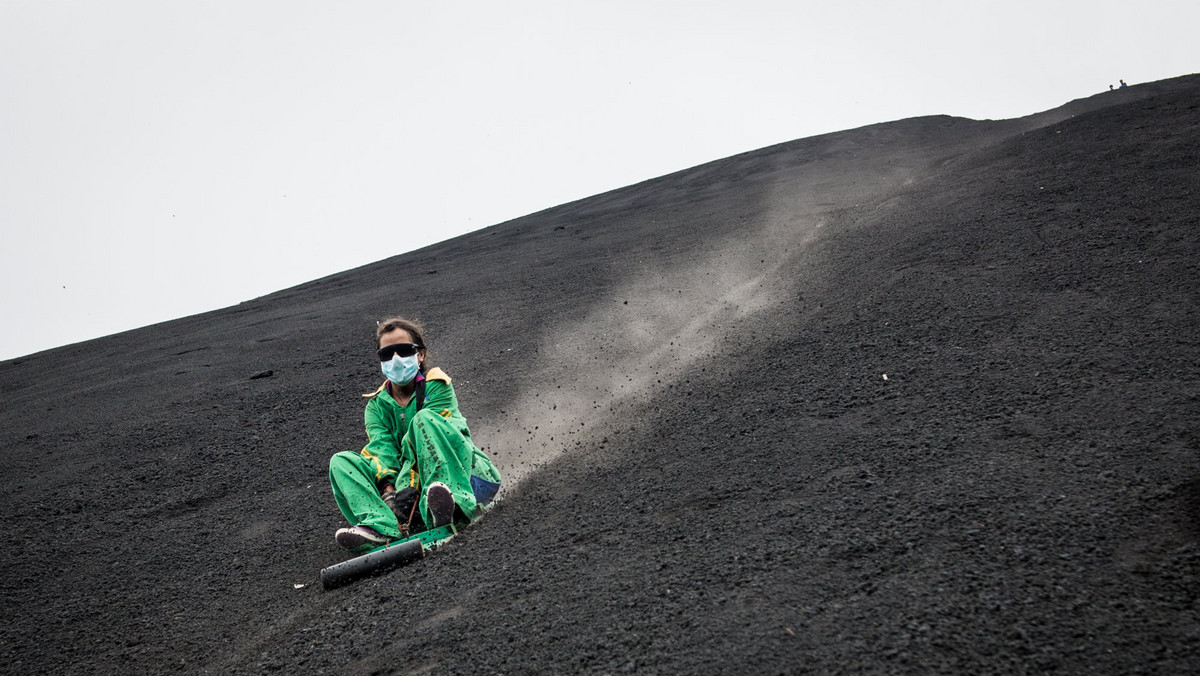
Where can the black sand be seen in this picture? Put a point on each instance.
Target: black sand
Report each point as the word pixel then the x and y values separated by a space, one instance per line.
pixel 684 381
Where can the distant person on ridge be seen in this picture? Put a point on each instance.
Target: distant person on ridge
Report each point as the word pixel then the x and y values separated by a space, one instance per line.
pixel 417 440
pixel 1123 85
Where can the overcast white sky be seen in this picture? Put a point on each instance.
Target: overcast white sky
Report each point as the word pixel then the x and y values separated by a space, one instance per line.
pixel 160 159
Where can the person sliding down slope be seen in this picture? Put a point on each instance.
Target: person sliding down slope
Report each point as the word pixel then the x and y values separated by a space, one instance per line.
pixel 416 439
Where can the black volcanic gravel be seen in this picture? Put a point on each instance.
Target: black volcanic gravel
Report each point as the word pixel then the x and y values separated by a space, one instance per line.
pixel 917 397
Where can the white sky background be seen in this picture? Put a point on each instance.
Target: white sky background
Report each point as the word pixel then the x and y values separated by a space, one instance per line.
pixel 160 159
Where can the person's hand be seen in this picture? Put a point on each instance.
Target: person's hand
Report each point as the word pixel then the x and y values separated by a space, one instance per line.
pixel 401 502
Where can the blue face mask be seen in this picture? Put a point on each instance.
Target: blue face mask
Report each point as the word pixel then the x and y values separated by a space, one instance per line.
pixel 400 370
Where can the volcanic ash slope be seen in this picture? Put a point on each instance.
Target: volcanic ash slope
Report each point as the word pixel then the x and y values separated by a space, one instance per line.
pixel 914 397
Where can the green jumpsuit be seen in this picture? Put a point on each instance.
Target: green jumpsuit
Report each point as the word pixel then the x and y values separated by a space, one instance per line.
pixel 407 447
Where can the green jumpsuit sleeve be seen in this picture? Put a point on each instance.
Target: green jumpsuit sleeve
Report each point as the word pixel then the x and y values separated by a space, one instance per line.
pixel 440 399
pixel 383 447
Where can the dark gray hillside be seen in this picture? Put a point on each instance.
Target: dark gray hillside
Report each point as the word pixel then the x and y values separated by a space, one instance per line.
pixel 684 382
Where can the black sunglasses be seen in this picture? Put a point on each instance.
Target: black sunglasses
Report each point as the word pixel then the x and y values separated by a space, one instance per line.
pixel 402 349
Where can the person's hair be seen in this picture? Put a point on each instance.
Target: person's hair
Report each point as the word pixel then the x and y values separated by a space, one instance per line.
pixel 414 329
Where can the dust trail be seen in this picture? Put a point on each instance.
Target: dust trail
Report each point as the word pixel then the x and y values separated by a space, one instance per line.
pixel 666 321
pixel 639 342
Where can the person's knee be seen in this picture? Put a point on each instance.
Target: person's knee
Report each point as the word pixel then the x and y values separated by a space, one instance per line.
pixel 426 416
pixel 343 460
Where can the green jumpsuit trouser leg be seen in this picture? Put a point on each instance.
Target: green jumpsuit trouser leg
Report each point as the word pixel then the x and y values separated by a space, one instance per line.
pixel 444 454
pixel 353 480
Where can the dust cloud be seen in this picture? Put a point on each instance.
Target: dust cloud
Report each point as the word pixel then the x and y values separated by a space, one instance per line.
pixel 641 340
pixel 676 314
